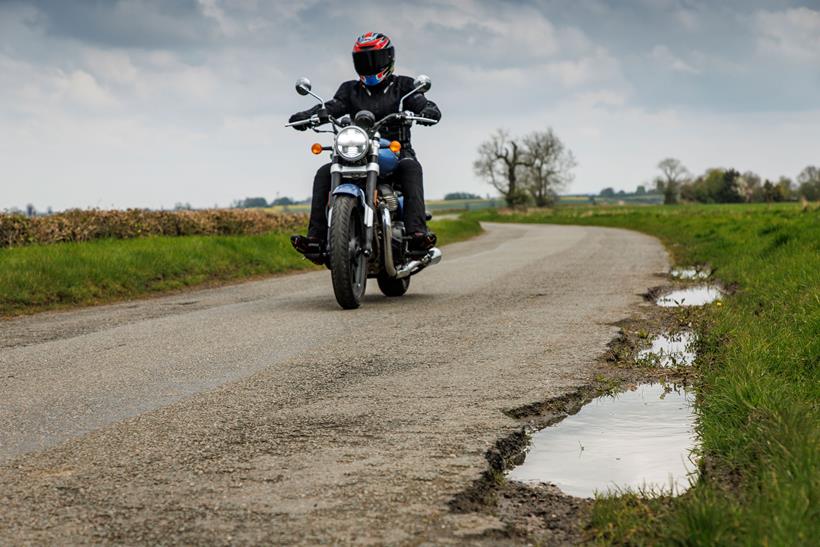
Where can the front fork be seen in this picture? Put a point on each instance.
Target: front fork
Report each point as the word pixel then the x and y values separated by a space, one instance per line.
pixel 370 200
pixel 372 178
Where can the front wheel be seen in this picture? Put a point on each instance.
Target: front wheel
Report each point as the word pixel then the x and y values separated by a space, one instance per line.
pixel 348 264
pixel 391 286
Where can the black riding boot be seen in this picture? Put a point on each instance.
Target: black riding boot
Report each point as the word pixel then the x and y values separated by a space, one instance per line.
pixel 317 228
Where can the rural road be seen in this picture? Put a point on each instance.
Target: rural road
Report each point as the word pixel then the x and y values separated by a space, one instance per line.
pixel 262 413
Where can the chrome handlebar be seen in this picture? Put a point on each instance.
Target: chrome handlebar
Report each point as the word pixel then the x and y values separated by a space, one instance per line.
pixel 301 122
pixel 404 116
pixel 315 121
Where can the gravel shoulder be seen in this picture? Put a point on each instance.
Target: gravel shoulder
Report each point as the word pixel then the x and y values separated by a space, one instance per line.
pixel 261 412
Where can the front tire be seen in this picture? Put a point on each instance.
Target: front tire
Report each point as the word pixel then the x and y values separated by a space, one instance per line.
pixel 348 264
pixel 391 286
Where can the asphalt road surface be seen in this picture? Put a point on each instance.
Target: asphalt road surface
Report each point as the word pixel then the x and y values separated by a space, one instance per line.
pixel 263 413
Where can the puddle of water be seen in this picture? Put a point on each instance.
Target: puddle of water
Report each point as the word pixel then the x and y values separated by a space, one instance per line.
pixel 691 296
pixel 690 273
pixel 670 350
pixel 639 439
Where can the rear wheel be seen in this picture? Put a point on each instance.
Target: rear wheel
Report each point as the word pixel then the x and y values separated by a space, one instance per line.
pixel 391 286
pixel 348 264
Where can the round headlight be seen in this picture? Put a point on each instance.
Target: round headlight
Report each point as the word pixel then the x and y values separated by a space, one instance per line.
pixel 352 143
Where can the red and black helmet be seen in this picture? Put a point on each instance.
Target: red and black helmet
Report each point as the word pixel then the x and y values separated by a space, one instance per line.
pixel 374 58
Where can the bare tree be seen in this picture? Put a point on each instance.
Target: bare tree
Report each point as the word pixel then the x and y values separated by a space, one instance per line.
pixel 547 165
pixel 500 160
pixel 751 186
pixel 673 174
pixel 809 181
pixel 809 174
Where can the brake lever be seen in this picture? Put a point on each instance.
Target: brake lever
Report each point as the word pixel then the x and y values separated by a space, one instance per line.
pixel 300 122
pixel 411 117
pixel 395 116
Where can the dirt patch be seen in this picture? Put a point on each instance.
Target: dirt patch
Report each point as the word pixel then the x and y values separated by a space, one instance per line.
pixel 541 514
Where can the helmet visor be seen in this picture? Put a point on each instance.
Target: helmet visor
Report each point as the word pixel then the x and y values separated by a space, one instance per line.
pixel 372 61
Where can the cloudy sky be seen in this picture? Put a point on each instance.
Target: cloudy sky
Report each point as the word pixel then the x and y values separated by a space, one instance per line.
pixel 144 103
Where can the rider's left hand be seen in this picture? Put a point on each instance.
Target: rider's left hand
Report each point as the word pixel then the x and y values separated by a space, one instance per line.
pixel 298 117
pixel 430 113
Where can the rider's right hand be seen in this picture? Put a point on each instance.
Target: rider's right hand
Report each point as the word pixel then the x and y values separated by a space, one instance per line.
pixel 298 117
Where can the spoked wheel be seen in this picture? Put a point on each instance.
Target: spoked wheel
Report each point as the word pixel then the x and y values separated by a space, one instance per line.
pixel 393 287
pixel 348 264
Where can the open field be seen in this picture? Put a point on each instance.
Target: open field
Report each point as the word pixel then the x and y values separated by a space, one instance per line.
pixel 758 375
pixel 440 205
pixel 628 199
pixel 433 205
pixel 39 277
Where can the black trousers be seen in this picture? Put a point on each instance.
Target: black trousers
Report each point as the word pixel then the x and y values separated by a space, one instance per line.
pixel 407 177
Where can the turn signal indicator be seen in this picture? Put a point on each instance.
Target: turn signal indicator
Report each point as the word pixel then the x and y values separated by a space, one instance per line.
pixel 316 148
pixel 395 147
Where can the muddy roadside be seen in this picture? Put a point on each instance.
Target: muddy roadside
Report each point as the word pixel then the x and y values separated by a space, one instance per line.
pixel 541 513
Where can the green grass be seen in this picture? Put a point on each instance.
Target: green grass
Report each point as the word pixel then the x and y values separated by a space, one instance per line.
pixel 451 231
pixel 41 277
pixel 758 376
pixel 46 276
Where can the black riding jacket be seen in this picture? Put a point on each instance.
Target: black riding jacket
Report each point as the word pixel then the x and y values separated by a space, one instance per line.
pixel 381 100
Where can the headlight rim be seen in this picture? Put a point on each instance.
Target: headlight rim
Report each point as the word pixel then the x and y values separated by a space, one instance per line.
pixel 365 143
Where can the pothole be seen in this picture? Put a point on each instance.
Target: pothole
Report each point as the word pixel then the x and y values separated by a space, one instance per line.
pixel 640 439
pixel 690 296
pixel 670 350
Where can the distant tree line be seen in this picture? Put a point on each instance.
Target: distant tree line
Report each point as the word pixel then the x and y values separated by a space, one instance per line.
pixel 718 185
pixel 641 190
pixel 529 169
pixel 258 202
pixel 452 196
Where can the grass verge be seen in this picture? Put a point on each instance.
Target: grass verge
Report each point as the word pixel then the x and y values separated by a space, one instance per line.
pixel 758 386
pixel 41 277
pixel 452 231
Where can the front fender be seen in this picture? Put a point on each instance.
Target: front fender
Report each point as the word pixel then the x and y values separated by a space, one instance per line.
pixel 348 189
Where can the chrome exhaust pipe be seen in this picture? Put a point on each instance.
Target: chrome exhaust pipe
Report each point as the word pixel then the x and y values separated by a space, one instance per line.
pixel 433 256
pixel 387 242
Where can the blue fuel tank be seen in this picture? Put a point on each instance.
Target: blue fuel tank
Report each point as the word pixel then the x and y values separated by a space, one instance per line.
pixel 388 160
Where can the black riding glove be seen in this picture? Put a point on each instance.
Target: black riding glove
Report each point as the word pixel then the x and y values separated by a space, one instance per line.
pixel 298 117
pixel 431 113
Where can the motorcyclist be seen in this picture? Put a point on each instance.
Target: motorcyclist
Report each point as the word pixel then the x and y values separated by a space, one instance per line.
pixel 378 90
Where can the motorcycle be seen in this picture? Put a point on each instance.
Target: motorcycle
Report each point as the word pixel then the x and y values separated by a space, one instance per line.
pixel 365 214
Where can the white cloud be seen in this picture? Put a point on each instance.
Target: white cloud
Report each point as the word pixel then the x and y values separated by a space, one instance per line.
pixel 793 34
pixel 689 19
pixel 573 73
pixel 26 89
pixel 114 66
pixel 81 87
pixel 602 97
pixel 663 55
